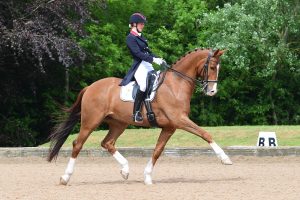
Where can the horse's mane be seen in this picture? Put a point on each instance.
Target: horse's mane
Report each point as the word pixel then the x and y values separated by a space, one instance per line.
pixel 189 52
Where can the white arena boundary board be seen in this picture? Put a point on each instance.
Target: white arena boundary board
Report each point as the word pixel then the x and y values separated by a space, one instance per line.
pixel 146 152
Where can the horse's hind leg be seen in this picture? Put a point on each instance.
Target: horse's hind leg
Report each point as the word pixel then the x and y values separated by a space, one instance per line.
pixel 88 124
pixel 116 128
pixel 164 137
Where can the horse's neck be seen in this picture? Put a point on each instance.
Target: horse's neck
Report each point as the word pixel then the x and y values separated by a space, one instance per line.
pixel 188 64
pixel 180 88
pixel 183 88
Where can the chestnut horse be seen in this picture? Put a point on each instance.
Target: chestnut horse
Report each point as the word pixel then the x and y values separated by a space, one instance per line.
pixel 100 102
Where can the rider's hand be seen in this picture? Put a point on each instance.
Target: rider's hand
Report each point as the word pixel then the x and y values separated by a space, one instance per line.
pixel 158 61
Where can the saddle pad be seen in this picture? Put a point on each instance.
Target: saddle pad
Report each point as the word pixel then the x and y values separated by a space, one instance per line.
pixel 126 92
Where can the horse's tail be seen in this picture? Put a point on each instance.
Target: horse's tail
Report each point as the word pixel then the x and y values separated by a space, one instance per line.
pixel 63 130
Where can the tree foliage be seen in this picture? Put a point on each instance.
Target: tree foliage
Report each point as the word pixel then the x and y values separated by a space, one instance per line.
pixel 36 39
pixel 262 62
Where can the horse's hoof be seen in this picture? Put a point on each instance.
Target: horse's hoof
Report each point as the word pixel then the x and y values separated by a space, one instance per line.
pixel 226 161
pixel 124 174
pixel 63 180
pixel 148 180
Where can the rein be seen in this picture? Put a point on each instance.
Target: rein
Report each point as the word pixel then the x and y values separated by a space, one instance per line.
pixel 202 83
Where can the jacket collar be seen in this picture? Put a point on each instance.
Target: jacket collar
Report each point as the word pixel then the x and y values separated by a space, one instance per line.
pixel 135 33
pixel 139 37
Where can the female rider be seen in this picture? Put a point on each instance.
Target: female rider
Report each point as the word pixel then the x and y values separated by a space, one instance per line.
pixel 142 61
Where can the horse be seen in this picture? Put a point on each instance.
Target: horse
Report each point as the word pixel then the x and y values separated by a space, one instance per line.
pixel 100 103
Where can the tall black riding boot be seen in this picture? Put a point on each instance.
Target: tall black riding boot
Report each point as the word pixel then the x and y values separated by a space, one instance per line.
pixel 139 98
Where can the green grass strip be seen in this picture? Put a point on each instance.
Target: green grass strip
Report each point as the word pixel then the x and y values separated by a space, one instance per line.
pixel 223 135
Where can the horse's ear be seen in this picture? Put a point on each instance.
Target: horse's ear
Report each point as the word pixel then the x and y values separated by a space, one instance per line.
pixel 216 52
pixel 219 52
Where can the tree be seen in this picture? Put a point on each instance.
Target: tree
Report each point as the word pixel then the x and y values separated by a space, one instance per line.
pixel 262 63
pixel 37 44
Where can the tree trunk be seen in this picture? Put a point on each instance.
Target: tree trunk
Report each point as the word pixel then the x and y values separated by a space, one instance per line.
pixel 274 115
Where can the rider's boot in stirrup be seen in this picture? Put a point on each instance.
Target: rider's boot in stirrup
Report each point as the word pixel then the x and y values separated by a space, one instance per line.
pixel 139 98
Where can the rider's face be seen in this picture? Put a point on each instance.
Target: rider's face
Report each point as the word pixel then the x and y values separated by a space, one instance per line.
pixel 140 26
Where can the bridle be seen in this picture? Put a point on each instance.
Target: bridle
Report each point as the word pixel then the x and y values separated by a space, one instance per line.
pixel 203 83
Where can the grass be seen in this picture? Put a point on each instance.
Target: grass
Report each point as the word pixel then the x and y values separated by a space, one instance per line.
pixel 223 135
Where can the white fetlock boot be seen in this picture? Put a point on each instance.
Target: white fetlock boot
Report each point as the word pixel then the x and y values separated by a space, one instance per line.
pixel 225 160
pixel 147 173
pixel 64 179
pixel 124 163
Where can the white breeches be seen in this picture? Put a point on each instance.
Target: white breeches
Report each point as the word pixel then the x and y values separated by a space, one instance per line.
pixel 141 74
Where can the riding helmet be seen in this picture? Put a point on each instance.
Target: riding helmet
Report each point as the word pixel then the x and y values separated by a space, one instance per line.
pixel 137 18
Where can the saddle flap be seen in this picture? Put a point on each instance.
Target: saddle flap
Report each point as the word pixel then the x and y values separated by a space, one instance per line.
pixel 128 92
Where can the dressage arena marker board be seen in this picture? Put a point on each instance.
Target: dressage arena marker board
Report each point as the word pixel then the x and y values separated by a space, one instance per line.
pixel 267 139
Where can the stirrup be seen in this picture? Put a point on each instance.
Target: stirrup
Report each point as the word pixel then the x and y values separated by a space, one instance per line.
pixel 137 117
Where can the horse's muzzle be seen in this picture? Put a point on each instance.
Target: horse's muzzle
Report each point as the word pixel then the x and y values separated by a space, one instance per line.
pixel 211 89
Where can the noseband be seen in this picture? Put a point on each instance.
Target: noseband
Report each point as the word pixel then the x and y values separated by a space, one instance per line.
pixel 203 83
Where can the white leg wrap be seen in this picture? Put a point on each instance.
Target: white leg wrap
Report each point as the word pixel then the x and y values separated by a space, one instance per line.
pixel 221 154
pixel 70 167
pixel 68 172
pixel 124 163
pixel 147 173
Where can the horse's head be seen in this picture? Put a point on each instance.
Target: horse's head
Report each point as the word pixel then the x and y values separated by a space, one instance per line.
pixel 209 72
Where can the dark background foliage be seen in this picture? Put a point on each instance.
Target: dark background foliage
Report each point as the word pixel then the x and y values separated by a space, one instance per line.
pixel 37 46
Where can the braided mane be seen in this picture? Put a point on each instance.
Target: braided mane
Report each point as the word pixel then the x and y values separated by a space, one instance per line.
pixel 189 52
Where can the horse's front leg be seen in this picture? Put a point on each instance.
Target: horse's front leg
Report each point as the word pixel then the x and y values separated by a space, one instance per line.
pixel 188 125
pixel 164 136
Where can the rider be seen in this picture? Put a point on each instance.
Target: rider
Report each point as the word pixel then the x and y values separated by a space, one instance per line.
pixel 142 61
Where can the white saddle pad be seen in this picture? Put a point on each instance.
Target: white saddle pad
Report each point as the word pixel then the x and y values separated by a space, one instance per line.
pixel 126 91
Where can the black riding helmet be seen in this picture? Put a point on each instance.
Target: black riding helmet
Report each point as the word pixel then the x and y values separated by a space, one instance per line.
pixel 137 18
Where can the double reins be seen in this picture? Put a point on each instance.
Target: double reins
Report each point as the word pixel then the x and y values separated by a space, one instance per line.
pixel 202 83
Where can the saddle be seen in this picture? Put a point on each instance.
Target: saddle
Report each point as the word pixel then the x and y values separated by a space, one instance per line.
pixel 128 93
